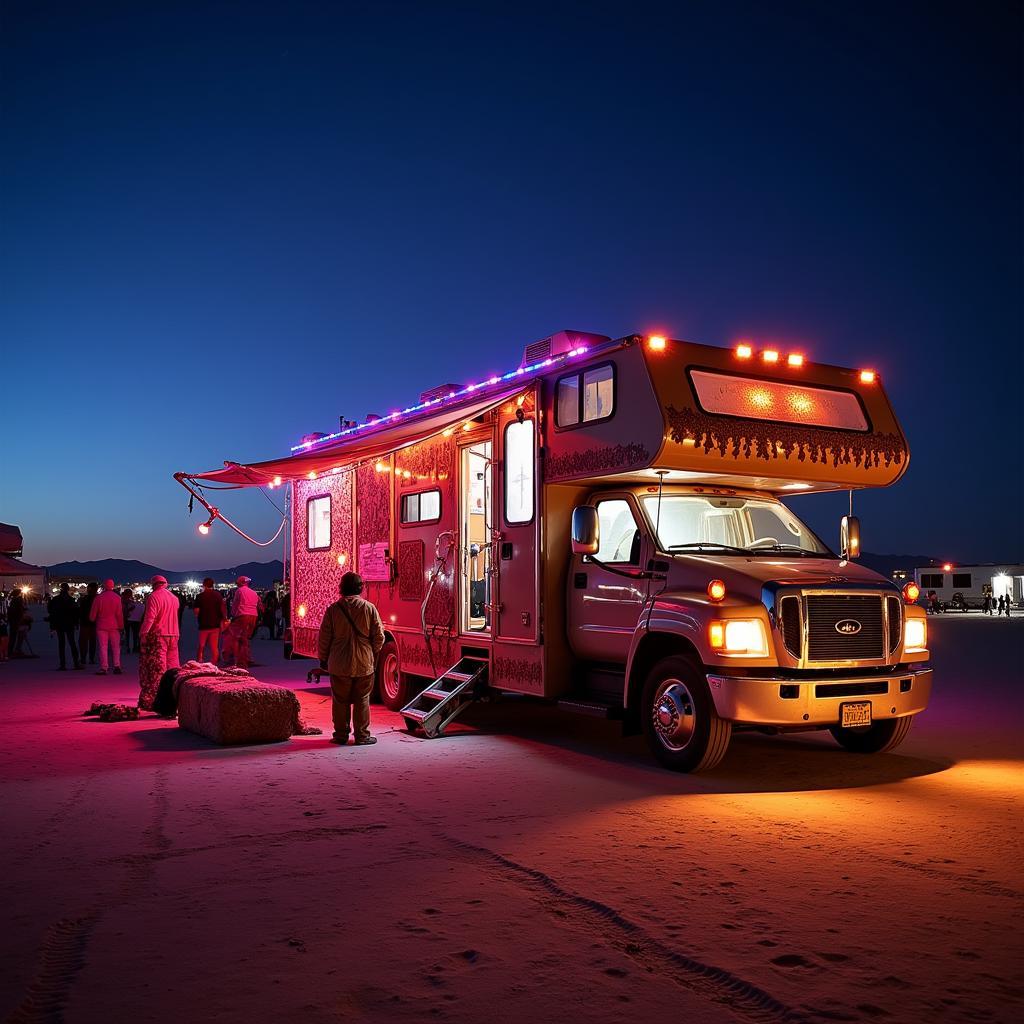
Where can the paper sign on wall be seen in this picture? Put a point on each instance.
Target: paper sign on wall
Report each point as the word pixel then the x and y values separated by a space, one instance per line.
pixel 373 562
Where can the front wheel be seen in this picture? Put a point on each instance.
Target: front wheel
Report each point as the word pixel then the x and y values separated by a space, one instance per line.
pixel 392 683
pixel 885 735
pixel 682 728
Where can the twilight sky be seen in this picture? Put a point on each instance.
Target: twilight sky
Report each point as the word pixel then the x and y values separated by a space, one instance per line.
pixel 225 224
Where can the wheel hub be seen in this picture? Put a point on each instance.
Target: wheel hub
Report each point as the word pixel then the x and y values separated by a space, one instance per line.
pixel 389 676
pixel 673 714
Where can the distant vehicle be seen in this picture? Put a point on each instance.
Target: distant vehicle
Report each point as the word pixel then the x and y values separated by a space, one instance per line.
pixel 957 603
pixel 603 527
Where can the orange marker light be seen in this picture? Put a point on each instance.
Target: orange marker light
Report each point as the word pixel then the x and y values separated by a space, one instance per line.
pixel 947 567
pixel 302 611
pixel 311 474
pixel 656 342
pixel 342 558
pixel 381 467
pixel 744 351
pixel 716 634
pixel 795 359
pixel 716 590
pixel 769 355
pixel 867 376
pixel 911 592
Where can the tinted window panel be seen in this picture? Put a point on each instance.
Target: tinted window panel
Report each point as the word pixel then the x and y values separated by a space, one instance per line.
pixel 598 393
pixel 568 412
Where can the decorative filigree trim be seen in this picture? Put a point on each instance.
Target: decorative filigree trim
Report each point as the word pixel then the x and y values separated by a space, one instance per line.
pixel 765 440
pixel 615 458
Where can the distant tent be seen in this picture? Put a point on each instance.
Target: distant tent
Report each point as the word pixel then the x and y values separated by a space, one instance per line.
pixel 14 573
pixel 11 542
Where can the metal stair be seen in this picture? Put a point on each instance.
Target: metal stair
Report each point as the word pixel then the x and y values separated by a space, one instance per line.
pixel 446 697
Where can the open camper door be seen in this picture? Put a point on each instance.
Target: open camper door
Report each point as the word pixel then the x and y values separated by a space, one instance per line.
pixel 518 516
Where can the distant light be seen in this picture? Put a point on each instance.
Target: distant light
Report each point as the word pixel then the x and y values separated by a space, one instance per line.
pixel 769 355
pixel 867 376
pixel 380 467
pixel 657 342
pixel 795 359
pixel 311 474
pixel 744 351
pixel 302 611
pixel 342 558
pixel 947 567
pixel 277 481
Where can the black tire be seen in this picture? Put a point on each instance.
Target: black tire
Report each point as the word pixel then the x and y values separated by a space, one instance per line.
pixel 679 720
pixel 885 735
pixel 394 689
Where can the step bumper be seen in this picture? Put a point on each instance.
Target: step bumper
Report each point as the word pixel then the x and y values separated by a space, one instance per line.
pixel 803 702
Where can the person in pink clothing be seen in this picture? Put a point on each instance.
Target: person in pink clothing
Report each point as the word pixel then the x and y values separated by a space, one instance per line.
pixel 107 616
pixel 245 610
pixel 159 649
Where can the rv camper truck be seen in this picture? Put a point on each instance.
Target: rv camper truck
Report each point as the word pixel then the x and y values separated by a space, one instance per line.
pixel 602 527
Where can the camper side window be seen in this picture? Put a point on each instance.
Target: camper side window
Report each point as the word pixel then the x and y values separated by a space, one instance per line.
pixel 585 397
pixel 519 462
pixel 424 507
pixel 318 522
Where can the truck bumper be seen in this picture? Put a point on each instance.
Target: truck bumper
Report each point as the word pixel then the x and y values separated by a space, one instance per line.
pixel 815 702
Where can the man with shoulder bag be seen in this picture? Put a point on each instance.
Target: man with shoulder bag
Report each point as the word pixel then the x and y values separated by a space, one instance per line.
pixel 351 636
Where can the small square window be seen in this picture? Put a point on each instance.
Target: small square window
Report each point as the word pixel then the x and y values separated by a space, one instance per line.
pixel 598 393
pixel 422 507
pixel 568 412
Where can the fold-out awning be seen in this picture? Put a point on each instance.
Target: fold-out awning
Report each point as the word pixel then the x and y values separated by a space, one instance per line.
pixel 370 443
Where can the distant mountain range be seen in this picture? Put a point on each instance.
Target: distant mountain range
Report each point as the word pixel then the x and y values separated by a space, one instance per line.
pixel 263 574
pixel 128 570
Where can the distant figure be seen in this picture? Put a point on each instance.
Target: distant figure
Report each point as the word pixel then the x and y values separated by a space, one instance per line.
pixel 159 633
pixel 986 605
pixel 245 610
pixel 268 618
pixel 86 627
pixel 1001 605
pixel 133 624
pixel 15 613
pixel 351 635
pixel 63 613
pixel 210 616
pixel 108 616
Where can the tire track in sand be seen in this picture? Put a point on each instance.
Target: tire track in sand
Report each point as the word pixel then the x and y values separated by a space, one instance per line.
pixel 716 984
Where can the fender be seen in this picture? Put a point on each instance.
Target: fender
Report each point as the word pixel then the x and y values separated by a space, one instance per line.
pixel 671 617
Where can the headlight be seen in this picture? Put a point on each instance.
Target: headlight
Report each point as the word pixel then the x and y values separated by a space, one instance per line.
pixel 915 636
pixel 741 637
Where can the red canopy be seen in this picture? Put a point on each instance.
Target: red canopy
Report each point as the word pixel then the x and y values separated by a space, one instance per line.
pixel 369 443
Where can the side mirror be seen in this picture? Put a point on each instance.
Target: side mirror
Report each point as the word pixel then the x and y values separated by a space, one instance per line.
pixel 849 537
pixel 586 530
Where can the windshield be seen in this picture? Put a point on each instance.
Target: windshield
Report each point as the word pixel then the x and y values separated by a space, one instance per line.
pixel 693 522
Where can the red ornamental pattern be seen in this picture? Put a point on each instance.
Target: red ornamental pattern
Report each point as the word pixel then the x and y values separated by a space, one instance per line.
pixel 374 498
pixel 764 440
pixel 416 657
pixel 317 573
pixel 410 570
pixel 610 458
pixel 517 673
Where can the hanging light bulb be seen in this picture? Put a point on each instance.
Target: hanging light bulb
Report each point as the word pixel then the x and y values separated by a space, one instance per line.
pixel 204 528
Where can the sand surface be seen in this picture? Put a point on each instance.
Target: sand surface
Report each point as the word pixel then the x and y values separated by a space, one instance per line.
pixel 532 866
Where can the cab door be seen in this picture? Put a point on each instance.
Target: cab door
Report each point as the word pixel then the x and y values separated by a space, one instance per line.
pixel 604 606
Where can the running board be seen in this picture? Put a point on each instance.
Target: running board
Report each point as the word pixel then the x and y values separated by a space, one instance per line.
pixel 591 707
pixel 446 697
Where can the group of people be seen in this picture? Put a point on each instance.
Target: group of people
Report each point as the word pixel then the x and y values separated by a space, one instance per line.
pixel 15 622
pixel 1000 605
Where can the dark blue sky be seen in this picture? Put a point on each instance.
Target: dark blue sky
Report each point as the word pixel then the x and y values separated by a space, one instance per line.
pixel 223 224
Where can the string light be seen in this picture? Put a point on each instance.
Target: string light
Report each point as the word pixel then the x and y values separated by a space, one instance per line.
pixel 468 389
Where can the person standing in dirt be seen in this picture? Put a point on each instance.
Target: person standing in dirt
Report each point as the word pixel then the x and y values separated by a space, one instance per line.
pixel 351 636
pixel 269 615
pixel 245 610
pixel 986 605
pixel 133 624
pixel 159 636
pixel 86 627
pixel 107 614
pixel 63 614
pixel 210 616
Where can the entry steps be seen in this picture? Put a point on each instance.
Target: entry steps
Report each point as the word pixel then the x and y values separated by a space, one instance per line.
pixel 447 696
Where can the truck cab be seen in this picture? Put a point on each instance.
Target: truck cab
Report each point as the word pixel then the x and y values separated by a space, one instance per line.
pixel 723 611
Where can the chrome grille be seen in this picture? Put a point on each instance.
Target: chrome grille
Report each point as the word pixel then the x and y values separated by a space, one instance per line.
pixel 789 618
pixel 827 643
pixel 894 607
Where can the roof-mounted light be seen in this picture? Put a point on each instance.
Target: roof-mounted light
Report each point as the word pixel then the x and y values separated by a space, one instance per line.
pixel 770 355
pixel 794 359
pixel 657 343
pixel 867 376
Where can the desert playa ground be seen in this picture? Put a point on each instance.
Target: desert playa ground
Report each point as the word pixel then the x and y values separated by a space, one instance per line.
pixel 532 866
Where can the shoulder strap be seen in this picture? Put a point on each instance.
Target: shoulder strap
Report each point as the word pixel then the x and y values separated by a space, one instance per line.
pixel 348 615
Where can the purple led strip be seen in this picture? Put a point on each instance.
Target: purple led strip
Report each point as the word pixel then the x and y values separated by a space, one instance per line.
pixel 469 389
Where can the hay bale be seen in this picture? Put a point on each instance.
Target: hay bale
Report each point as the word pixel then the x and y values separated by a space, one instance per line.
pixel 227 711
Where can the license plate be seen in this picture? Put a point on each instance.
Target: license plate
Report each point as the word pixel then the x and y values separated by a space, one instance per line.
pixel 855 714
